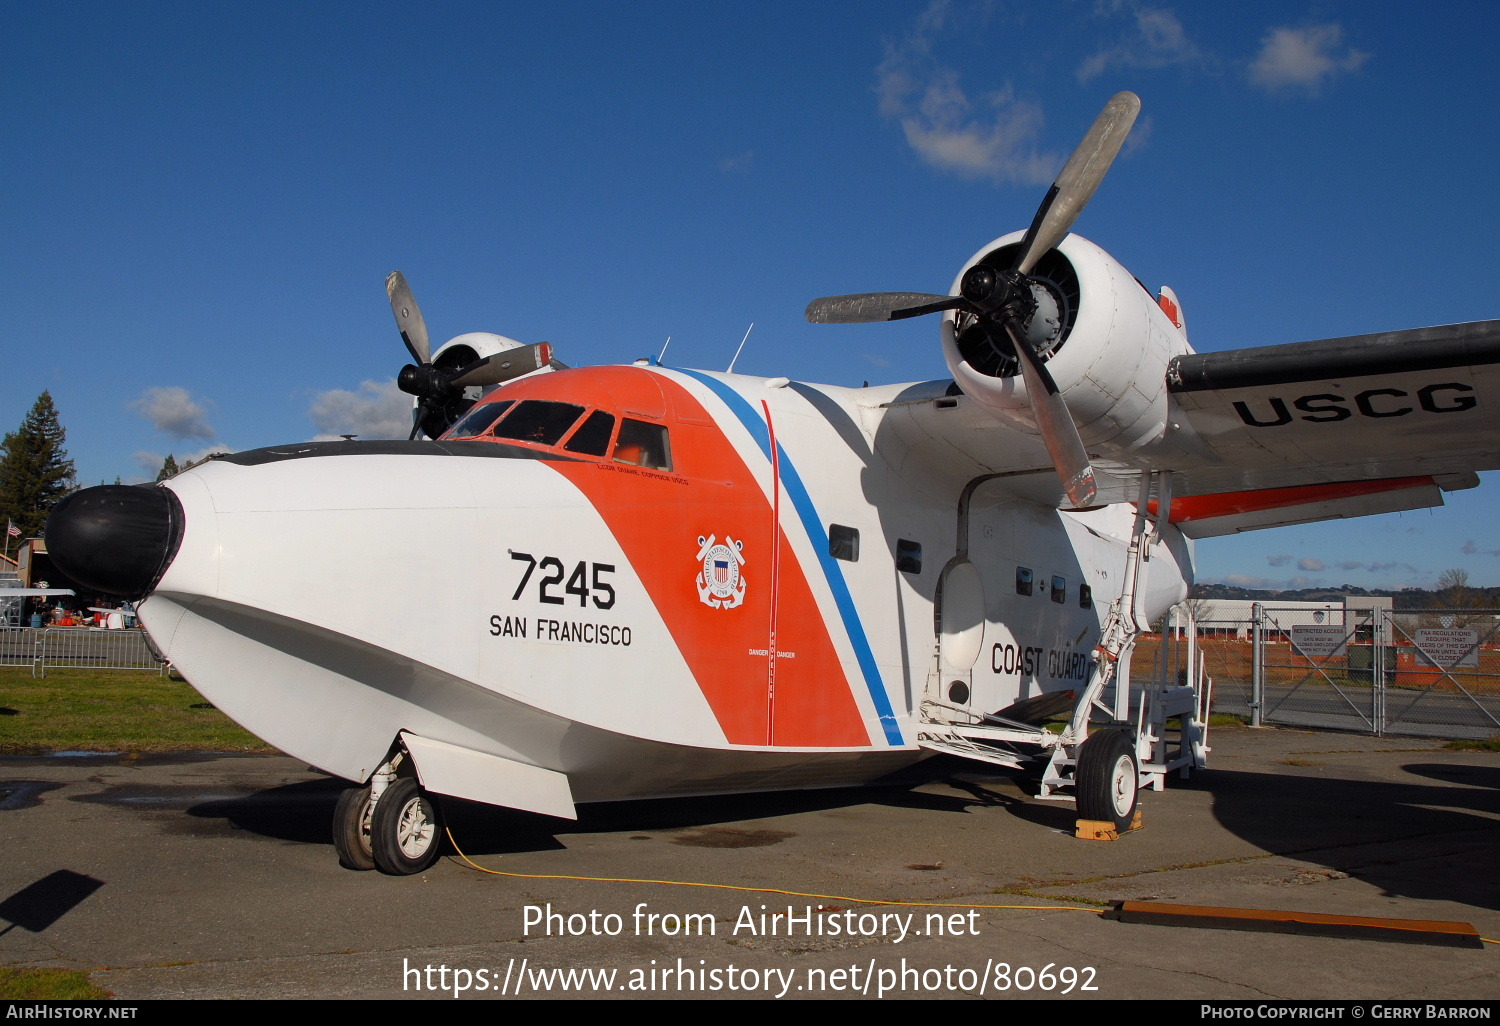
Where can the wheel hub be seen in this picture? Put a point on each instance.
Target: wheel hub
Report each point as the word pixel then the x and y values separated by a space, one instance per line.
pixel 415 832
pixel 1123 784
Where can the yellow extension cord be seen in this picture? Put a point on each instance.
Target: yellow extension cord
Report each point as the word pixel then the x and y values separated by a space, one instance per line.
pixel 776 890
pixel 757 890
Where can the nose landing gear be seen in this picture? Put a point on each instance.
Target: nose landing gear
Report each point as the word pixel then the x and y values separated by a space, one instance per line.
pixel 406 830
pixel 351 828
pixel 389 824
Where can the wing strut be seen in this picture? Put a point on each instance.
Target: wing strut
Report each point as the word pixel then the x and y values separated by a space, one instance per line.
pixel 1126 621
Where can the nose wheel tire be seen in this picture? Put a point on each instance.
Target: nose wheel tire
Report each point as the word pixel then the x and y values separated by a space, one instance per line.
pixel 406 830
pixel 1107 779
pixel 351 828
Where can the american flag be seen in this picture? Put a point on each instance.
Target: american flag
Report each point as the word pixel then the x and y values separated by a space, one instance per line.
pixel 12 530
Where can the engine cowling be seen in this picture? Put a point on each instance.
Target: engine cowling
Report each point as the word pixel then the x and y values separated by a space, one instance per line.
pixel 461 351
pixel 1103 337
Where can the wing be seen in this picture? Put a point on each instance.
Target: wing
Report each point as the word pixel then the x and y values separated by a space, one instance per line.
pixel 1338 427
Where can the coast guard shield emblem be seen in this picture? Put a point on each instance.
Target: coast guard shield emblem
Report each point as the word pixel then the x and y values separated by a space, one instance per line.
pixel 720 583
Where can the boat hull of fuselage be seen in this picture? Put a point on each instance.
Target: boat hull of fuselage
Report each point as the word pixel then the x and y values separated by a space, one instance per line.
pixel 340 704
pixel 296 604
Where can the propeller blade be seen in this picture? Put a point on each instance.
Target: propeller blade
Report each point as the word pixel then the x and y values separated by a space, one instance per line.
pixel 1079 178
pixel 879 306
pixel 512 363
pixel 1059 433
pixel 408 318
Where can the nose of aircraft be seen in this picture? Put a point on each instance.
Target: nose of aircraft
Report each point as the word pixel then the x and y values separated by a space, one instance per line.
pixel 117 539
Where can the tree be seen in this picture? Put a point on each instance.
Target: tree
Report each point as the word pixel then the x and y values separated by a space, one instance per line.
pixel 1202 609
pixel 169 468
pixel 1453 592
pixel 1453 589
pixel 35 471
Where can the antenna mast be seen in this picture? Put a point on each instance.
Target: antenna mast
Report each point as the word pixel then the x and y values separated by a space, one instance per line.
pixel 741 349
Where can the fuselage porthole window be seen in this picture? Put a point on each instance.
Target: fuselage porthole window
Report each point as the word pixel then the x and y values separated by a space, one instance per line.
pixel 1023 580
pixel 843 542
pixel 908 556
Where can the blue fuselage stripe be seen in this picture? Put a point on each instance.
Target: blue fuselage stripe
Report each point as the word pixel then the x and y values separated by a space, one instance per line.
pixel 818 535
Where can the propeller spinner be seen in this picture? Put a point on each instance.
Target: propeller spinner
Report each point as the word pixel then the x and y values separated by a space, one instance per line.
pixel 1003 302
pixel 439 390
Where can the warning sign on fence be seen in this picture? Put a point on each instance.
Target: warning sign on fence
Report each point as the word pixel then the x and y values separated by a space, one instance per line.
pixel 1320 642
pixel 1447 649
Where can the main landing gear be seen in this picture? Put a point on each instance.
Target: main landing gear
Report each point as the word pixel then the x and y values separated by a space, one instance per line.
pixel 1102 769
pixel 389 824
pixel 1106 781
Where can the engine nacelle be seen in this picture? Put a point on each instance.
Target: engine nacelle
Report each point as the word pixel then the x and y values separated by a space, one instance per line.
pixel 460 351
pixel 1103 337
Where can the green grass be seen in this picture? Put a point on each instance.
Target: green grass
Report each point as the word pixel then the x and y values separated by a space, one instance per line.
pixel 48 985
pixel 1491 745
pixel 111 711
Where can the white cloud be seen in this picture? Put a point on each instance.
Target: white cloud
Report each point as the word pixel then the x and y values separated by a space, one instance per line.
pixel 993 135
pixel 995 139
pixel 1311 565
pixel 378 410
pixel 1304 58
pixel 1279 560
pixel 175 413
pixel 1156 39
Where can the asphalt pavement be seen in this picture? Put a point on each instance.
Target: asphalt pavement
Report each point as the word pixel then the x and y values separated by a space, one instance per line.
pixel 214 877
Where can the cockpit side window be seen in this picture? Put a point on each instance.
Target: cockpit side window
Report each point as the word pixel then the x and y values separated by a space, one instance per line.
pixel 645 445
pixel 478 420
pixel 592 438
pixel 538 420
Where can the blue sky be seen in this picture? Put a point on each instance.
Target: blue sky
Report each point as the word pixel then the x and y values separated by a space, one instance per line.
pixel 202 201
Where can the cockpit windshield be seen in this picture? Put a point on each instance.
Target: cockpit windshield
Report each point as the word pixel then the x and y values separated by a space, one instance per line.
pixel 548 422
pixel 539 420
pixel 644 445
pixel 478 420
pixel 592 439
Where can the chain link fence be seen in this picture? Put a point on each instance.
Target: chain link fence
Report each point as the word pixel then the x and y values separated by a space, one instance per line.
pixel 1442 669
pixel 1427 672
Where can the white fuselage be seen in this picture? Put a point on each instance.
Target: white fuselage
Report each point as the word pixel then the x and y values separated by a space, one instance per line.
pixel 646 632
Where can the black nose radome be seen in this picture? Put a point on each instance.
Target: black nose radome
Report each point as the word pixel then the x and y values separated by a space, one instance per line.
pixel 117 539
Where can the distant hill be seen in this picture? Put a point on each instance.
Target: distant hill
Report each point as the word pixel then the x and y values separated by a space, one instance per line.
pixel 1406 598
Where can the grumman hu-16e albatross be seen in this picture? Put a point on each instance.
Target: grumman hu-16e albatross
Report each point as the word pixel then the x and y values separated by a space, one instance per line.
pixel 651 582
